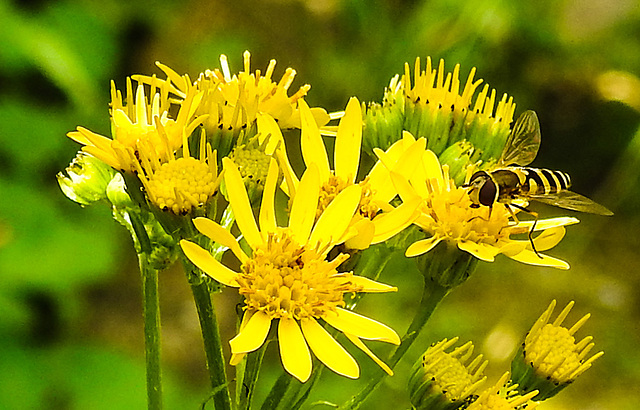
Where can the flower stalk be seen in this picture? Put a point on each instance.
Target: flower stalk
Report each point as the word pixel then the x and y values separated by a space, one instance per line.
pixel 151 313
pixel 433 293
pixel 211 338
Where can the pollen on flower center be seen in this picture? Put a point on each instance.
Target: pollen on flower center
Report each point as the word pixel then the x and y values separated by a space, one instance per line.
pixel 285 280
pixel 181 184
pixel 335 185
pixel 455 218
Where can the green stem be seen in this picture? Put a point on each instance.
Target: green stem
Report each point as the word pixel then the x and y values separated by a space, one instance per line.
pixel 151 313
pixel 432 294
pixel 249 378
pixel 212 342
pixel 288 393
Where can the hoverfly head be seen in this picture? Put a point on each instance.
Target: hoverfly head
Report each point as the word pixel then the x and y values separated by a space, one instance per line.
pixel 482 189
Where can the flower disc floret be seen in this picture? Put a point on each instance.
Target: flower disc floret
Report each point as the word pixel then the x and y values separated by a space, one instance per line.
pixel 181 184
pixel 285 280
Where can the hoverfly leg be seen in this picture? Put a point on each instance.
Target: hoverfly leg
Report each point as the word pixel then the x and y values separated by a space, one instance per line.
pixel 533 227
pixel 479 217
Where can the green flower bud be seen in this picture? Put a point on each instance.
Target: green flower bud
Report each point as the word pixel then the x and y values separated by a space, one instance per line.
pixel 459 156
pixel 383 124
pixel 85 180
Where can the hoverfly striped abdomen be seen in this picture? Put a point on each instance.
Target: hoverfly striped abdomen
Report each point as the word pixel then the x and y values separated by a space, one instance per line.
pixel 541 181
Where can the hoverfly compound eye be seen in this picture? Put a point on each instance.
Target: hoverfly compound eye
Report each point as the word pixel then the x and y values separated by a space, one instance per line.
pixel 487 193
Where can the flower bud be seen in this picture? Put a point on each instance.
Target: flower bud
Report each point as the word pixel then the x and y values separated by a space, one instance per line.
pixel 442 380
pixel 85 180
pixel 550 359
pixel 503 396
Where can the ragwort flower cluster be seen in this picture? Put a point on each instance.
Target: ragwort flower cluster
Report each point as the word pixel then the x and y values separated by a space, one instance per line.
pixel 176 143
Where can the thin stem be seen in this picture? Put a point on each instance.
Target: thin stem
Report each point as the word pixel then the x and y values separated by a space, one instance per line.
pixel 288 393
pixel 212 342
pixel 250 378
pixel 432 294
pixel 151 313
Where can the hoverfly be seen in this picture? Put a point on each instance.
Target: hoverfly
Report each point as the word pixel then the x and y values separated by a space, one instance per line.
pixel 512 179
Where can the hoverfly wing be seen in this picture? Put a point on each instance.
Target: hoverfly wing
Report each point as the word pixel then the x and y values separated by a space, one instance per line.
pixel 523 142
pixel 572 201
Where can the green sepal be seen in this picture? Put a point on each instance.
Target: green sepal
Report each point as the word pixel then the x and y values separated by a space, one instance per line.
pixel 528 380
pixel 446 265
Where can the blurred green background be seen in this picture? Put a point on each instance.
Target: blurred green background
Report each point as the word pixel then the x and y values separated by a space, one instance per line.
pixel 71 319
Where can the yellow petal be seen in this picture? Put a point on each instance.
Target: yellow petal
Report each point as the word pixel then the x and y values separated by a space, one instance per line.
pixel 390 223
pixel 402 186
pixel 208 264
pixel 350 322
pixel 422 246
pixel 294 352
pixel 220 235
pixel 175 78
pixel 275 146
pixel 267 126
pixel 531 258
pixel 240 204
pixel 141 106
pixel 236 358
pixel 365 231
pixel 481 251
pixel 267 208
pixel 305 204
pixel 311 144
pixel 336 217
pixel 549 238
pixel 432 167
pixel 543 224
pixel 253 335
pixel 409 161
pixel 371 286
pixel 404 163
pixel 328 350
pixel 348 142
pixel 360 345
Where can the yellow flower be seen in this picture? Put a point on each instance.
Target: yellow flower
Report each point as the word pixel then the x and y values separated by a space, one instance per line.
pixel 551 358
pixel 180 184
pixel 376 220
pixel 141 127
pixel 447 214
pixel 502 396
pixel 443 378
pixel 234 102
pixel 287 279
